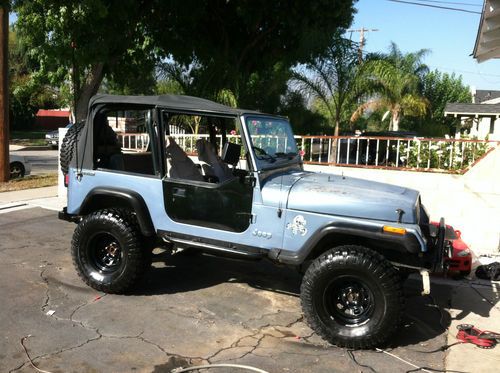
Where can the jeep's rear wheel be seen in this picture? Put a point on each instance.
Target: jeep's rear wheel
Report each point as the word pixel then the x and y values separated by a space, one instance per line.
pixel 107 250
pixel 352 297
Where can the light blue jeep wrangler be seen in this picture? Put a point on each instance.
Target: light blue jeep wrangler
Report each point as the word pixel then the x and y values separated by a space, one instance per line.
pixel 200 175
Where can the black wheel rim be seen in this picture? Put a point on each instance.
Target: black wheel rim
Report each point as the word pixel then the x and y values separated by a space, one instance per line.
pixel 348 301
pixel 105 253
pixel 15 171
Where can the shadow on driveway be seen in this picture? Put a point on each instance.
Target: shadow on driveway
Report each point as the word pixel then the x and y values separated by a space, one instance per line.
pixel 188 271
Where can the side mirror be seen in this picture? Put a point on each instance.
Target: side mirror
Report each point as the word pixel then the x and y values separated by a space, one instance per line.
pixel 231 153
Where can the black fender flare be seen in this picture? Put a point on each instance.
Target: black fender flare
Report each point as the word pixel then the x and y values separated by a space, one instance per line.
pixel 408 244
pixel 130 198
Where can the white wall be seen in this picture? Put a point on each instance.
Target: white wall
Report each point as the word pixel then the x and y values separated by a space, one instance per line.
pixel 470 202
pixel 482 129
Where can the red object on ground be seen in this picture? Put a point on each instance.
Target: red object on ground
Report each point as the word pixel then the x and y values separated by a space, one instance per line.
pixel 52 119
pixel 461 261
pixel 469 334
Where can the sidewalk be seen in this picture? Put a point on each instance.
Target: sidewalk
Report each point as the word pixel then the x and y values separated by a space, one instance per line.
pixel 477 303
pixel 45 197
pixel 14 147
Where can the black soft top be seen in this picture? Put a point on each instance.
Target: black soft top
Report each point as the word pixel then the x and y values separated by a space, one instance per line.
pixel 173 102
pixel 187 104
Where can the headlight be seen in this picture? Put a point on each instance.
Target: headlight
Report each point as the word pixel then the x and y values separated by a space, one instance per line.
pixel 462 253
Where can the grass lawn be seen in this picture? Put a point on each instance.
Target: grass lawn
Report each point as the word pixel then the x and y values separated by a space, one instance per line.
pixel 29 182
pixel 28 137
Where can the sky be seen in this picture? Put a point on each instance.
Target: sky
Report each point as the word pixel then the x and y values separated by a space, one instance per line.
pixel 450 35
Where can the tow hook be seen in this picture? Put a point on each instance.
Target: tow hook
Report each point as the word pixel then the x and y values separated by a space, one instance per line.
pixel 426 282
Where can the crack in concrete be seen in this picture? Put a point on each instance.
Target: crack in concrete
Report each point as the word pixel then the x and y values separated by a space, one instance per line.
pixel 44 306
pixel 60 351
pixel 17 368
pixel 235 345
pixel 256 334
pixel 47 297
pixel 259 336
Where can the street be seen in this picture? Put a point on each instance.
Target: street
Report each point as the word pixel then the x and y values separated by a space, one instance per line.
pixel 42 161
pixel 189 309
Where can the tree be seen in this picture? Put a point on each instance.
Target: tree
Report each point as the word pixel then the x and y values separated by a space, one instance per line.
pixel 394 80
pixel 303 120
pixel 28 92
pixel 439 89
pixel 227 42
pixel 332 79
pixel 89 38
pixel 238 45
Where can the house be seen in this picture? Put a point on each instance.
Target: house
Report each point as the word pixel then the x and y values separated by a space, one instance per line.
pixel 52 119
pixel 487 44
pixel 482 115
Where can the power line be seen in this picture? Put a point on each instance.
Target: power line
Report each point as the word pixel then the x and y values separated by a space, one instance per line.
pixel 449 3
pixel 464 71
pixel 435 6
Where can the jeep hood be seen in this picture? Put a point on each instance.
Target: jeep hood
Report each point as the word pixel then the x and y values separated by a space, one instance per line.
pixel 342 196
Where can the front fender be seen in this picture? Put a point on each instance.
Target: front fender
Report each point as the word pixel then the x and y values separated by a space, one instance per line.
pixel 404 249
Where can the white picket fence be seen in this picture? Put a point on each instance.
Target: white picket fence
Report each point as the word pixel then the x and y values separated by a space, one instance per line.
pixel 400 153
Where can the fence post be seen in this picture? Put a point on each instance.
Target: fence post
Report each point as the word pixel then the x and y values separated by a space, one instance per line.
pixel 397 154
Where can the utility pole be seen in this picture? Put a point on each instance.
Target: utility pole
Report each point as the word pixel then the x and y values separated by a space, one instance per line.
pixel 362 39
pixel 4 92
pixel 75 81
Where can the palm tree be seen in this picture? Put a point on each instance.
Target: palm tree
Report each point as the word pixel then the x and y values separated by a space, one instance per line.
pixel 179 79
pixel 332 79
pixel 394 81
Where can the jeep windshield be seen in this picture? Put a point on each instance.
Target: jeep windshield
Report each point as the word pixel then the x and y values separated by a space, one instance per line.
pixel 272 141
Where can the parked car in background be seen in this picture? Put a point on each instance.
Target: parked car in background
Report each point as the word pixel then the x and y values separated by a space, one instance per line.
pixel 52 137
pixel 460 262
pixel 19 166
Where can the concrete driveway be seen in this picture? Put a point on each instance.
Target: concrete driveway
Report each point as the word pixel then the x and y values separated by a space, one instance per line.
pixel 189 309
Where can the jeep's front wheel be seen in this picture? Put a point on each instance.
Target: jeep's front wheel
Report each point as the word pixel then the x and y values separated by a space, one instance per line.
pixel 107 250
pixel 352 297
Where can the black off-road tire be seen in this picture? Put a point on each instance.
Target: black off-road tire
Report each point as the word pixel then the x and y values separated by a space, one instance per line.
pixel 379 293
pixel 96 237
pixel 68 145
pixel 17 170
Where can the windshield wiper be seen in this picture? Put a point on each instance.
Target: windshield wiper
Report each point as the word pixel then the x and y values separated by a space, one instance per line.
pixel 267 157
pixel 290 155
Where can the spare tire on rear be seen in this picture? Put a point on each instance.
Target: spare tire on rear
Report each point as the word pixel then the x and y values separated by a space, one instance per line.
pixel 68 145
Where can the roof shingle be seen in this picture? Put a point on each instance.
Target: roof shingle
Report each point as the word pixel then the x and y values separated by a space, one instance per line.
pixel 471 109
